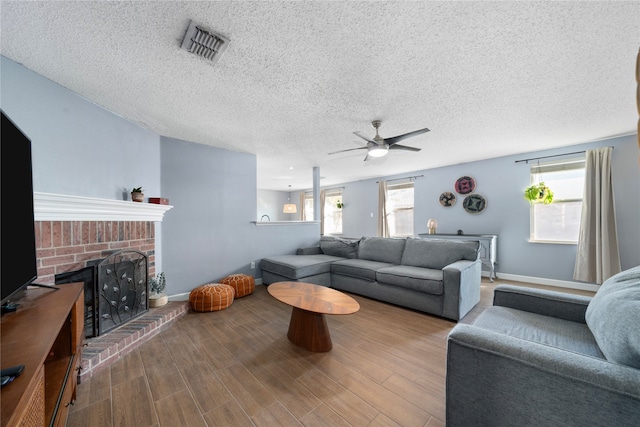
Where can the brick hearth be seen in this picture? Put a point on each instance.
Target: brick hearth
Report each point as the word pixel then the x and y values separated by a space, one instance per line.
pixel 70 245
pixel 102 351
pixel 72 231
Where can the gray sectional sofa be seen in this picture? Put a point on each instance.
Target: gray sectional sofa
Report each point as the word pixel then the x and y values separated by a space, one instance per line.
pixel 543 358
pixel 438 277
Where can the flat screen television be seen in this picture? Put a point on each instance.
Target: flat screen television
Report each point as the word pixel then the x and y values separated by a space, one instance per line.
pixel 17 232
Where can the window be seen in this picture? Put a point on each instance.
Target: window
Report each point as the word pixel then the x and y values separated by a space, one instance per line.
pixel 332 214
pixel 332 221
pixel 400 209
pixel 559 221
pixel 308 206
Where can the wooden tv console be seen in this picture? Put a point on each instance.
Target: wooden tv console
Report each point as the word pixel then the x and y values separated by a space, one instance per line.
pixel 45 335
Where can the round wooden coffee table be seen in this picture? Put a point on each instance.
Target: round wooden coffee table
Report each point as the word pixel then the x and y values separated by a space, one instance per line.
pixel 308 326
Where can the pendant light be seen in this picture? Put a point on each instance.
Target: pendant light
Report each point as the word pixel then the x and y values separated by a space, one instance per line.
pixel 289 207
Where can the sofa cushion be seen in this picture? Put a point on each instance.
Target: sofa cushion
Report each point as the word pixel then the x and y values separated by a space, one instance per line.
pixel 438 253
pixel 426 280
pixel 613 315
pixel 336 246
pixel 298 266
pixel 360 268
pixel 381 249
pixel 551 331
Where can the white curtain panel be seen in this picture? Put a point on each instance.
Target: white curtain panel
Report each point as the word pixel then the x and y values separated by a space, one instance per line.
pixel 638 98
pixel 322 212
pixel 302 200
pixel 383 224
pixel 597 257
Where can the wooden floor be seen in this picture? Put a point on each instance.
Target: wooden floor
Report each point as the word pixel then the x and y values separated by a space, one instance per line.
pixel 236 367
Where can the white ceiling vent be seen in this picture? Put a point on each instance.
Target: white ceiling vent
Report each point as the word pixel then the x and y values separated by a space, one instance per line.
pixel 204 43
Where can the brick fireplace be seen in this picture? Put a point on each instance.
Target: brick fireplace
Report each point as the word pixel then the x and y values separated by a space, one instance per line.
pixel 75 232
pixel 64 246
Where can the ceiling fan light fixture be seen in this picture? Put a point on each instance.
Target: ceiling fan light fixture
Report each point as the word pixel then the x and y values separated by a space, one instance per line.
pixel 379 146
pixel 379 151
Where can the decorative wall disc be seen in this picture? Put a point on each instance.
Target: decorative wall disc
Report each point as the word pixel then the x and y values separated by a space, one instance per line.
pixel 474 203
pixel 447 199
pixel 465 185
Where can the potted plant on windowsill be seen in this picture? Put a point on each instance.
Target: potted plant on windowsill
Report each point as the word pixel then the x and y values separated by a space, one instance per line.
pixel 156 286
pixel 137 194
pixel 538 193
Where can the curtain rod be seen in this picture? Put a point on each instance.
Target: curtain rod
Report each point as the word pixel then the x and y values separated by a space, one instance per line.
pixel 555 155
pixel 407 177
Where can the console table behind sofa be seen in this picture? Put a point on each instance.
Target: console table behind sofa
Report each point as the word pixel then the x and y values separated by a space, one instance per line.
pixel 488 247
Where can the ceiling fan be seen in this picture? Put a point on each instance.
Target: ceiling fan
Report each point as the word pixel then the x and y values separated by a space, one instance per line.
pixel 379 146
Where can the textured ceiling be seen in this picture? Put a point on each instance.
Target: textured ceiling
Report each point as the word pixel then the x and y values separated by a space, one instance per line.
pixel 298 78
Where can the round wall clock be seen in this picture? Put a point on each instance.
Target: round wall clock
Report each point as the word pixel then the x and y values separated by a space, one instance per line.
pixel 447 199
pixel 474 203
pixel 465 185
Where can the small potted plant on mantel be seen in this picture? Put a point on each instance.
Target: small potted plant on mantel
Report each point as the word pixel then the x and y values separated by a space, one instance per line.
pixel 137 194
pixel 156 286
pixel 539 193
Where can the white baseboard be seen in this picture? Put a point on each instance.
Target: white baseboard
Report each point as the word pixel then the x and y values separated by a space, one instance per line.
pixel 185 296
pixel 548 282
pixel 179 297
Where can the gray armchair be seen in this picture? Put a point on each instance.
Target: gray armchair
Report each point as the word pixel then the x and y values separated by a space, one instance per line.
pixel 542 358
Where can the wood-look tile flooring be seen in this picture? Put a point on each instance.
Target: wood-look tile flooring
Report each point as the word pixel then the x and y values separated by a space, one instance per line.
pixel 236 367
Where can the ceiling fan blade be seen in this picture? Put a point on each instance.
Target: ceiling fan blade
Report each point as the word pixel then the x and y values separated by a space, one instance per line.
pixel 399 138
pixel 366 138
pixel 350 149
pixel 403 147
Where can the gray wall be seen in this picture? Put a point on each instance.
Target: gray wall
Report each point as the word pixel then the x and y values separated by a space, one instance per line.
pixel 270 202
pixel 81 149
pixel 209 234
pixel 502 182
pixel 78 148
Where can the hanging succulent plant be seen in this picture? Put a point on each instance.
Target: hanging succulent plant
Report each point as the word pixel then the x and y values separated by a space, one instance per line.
pixel 539 193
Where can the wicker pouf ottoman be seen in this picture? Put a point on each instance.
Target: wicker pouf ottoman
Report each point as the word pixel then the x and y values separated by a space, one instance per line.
pixel 211 297
pixel 243 284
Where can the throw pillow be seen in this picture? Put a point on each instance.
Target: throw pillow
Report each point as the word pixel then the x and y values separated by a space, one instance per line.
pixel 437 254
pixel 381 249
pixel 613 316
pixel 336 246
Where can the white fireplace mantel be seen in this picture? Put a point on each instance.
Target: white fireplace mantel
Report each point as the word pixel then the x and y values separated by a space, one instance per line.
pixel 60 207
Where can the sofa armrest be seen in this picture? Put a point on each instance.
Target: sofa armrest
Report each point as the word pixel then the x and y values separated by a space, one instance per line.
pixel 561 305
pixel 461 283
pixel 495 379
pixel 312 250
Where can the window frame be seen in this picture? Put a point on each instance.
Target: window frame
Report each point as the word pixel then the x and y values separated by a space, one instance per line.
pixel 308 210
pixel 536 173
pixel 308 207
pixel 399 186
pixel 332 211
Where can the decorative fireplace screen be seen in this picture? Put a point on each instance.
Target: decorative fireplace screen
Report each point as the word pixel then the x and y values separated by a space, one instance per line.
pixel 116 290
